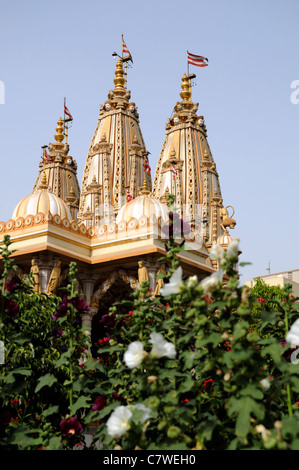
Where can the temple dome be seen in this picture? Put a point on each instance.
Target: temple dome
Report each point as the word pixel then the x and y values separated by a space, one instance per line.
pixel 41 201
pixel 224 239
pixel 140 206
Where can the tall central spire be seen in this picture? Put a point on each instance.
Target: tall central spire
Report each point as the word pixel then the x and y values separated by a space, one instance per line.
pixel 116 157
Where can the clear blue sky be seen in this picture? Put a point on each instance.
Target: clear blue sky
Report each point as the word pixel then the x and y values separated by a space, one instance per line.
pixel 55 49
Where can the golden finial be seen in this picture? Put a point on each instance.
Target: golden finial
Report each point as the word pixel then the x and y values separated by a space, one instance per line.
pixel 186 93
pixel 144 190
pixel 135 139
pixel 119 80
pixel 59 129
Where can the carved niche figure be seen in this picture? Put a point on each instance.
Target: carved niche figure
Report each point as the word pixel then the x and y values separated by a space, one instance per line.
pixel 34 270
pixel 142 273
pixel 227 220
pixel 54 279
pixel 160 281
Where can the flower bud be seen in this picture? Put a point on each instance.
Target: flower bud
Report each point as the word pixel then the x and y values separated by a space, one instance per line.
pixel 173 432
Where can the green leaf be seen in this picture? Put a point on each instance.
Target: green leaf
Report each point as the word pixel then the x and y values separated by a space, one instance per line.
pixel 188 357
pixel 244 407
pixel 82 402
pixel 240 329
pixel 54 443
pixel 50 411
pixel 252 391
pixel 45 381
pixel 25 438
pixel 274 350
pixel 187 385
pixel 64 358
pixel 19 371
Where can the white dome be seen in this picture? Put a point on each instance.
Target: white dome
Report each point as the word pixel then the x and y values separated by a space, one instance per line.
pixel 142 205
pixel 41 201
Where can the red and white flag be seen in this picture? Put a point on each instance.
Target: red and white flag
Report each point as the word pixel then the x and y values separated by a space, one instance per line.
pixel 46 156
pixel 129 195
pixel 174 172
pixel 125 50
pixel 197 60
pixel 146 167
pixel 66 111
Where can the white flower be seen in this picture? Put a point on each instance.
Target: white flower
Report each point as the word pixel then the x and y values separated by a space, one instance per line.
pixel 265 383
pixel 232 250
pixel 118 423
pixel 161 347
pixel 134 354
pixel 293 335
pixel 192 281
pixel 217 252
pixel 174 284
pixel 210 283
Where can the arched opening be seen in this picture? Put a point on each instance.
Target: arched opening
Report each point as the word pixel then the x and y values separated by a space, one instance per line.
pixel 103 325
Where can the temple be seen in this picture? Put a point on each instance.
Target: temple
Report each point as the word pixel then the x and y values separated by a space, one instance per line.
pixel 113 225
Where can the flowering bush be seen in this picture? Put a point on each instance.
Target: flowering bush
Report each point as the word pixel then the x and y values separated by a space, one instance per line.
pixel 192 368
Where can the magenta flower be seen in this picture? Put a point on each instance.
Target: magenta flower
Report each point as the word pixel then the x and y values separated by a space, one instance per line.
pixel 11 308
pixel 108 320
pixel 5 417
pixel 10 286
pixel 71 426
pixel 99 403
pixel 56 332
pixel 80 304
pixel 62 310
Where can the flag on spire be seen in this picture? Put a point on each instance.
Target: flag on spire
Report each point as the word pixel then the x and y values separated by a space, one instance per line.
pixel 197 60
pixel 125 50
pixel 66 111
pixel 129 195
pixel 174 172
pixel 146 166
pixel 46 156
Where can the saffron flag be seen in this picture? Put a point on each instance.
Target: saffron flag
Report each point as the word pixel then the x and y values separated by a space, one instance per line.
pixel 197 60
pixel 66 111
pixel 46 156
pixel 125 50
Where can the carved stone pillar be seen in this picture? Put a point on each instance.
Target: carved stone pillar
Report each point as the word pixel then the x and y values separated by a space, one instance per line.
pixel 45 264
pixel 152 267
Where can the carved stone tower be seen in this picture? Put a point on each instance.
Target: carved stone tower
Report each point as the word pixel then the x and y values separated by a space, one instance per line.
pixel 116 160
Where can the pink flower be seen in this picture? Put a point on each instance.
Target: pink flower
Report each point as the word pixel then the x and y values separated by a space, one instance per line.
pixel 260 300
